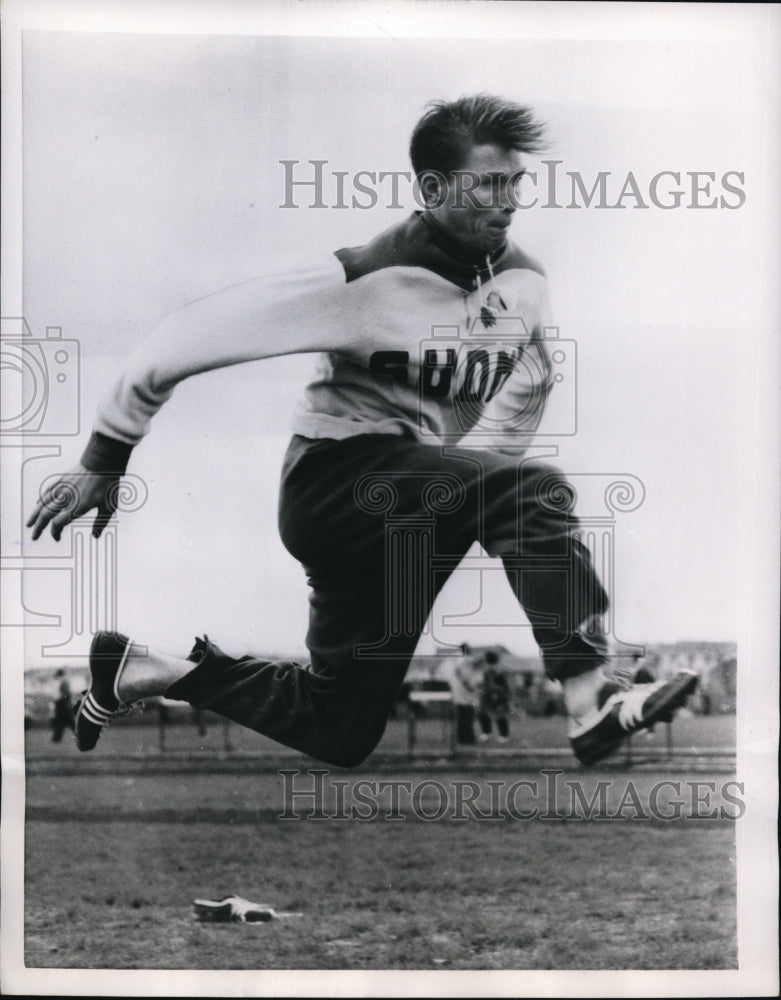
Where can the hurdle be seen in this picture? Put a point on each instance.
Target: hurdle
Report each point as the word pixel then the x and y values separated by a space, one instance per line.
pixel 444 698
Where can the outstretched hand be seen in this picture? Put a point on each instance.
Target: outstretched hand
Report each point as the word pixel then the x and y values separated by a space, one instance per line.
pixel 75 493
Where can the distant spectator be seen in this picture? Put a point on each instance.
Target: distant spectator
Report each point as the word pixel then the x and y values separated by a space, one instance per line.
pixel 457 671
pixel 63 716
pixel 494 700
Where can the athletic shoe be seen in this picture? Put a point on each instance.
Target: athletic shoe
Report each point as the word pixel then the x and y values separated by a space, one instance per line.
pixel 98 706
pixel 624 712
pixel 231 909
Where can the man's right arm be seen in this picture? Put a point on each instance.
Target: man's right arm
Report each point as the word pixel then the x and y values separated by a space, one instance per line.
pixel 292 310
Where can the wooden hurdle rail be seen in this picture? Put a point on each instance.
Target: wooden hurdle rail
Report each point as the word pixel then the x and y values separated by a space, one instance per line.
pixel 444 698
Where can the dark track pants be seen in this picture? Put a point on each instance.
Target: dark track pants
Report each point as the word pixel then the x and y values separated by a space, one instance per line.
pixel 379 522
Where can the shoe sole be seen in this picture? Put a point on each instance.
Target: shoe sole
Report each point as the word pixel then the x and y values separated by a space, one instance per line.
pixel 675 698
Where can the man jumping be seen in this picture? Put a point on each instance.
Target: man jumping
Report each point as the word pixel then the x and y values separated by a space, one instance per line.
pixel 432 378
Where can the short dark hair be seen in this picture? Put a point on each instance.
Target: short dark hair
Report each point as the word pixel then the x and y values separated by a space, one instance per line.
pixel 442 138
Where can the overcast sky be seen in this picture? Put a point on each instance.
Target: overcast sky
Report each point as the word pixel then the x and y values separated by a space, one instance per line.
pixel 152 174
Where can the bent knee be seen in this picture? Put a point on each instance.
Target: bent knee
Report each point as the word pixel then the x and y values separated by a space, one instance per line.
pixel 546 486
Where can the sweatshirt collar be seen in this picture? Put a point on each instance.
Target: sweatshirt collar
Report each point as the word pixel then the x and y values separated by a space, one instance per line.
pixel 456 249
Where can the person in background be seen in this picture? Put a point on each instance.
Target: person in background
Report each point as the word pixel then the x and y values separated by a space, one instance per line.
pixel 457 671
pixel 63 715
pixel 494 700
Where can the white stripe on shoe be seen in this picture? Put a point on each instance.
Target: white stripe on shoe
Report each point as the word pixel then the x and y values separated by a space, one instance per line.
pixel 94 712
pixel 630 706
pixel 630 712
pixel 630 709
pixel 120 668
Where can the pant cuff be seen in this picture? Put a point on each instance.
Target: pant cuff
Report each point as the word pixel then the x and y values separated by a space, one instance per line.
pixel 202 655
pixel 579 654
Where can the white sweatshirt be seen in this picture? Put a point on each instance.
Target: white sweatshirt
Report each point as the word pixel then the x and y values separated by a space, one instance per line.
pixel 418 336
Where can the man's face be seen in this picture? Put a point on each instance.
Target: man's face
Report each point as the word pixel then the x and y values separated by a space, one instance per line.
pixel 481 197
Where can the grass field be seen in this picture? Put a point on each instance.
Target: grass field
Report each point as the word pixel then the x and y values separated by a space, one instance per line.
pixel 114 861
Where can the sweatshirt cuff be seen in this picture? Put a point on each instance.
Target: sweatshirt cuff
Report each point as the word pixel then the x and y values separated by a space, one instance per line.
pixel 106 454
